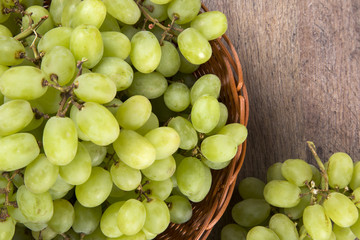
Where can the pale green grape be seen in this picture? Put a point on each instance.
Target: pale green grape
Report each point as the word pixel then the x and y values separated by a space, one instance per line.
pixel 108 222
pixel 218 148
pixel 211 24
pixel 126 11
pixel 274 172
pixel 68 12
pixel 46 234
pixel 157 216
pixel 281 193
pixel 113 105
pixel 283 227
pixel 161 169
pixel 161 1
pixel 147 234
pixel 187 133
pixel 28 84
pixel 177 97
pixel 150 124
pixel 355 197
pixel 4 31
pixel 110 24
pixel 7 228
pixel 194 47
pixel 96 189
pixel 35 207
pixel 263 233
pixel 151 85
pixel 166 141
pixel 355 179
pixel 170 60
pixel 95 87
pixel 239 133
pixel 116 44
pixel 59 36
pixel 73 115
pixel 125 177
pixel 134 150
pixel 340 170
pixel 16 213
pixel 316 175
pixel 341 210
pixel 131 217
pixel 60 188
pixel 185 10
pixel 17 151
pixel 139 236
pixel 296 171
pixel 129 31
pixel 96 235
pixel 297 211
pixel 37 12
pixel 145 52
pixel 86 42
pixel 98 124
pixel 233 232
pixel 63 217
pixel 159 10
pixel 79 169
pixel 205 188
pixel 14 116
pixel 2 70
pixel 97 153
pixel 118 70
pixel 86 219
pixel 317 223
pixel 33 226
pixel 208 84
pixel 134 112
pixel 355 228
pixel 158 189
pixel 343 233
pixel 236 131
pixel 40 175
pixel 56 9
pixel 92 12
pixel 60 140
pixel 205 113
pixel 250 212
pixel 215 165
pixel 180 209
pixel 186 66
pixel 251 187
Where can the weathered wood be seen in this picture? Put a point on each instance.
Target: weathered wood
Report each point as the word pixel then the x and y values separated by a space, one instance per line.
pixel 301 67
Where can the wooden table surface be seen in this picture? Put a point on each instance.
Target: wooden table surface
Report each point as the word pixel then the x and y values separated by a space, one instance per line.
pixel 301 66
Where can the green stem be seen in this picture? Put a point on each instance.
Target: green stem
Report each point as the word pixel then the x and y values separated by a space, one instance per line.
pixel 31 29
pixel 325 181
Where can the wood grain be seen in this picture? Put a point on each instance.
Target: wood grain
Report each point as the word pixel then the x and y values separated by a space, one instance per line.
pixel 301 67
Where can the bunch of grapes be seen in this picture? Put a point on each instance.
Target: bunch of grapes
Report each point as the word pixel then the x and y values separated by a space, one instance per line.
pixel 300 201
pixel 105 133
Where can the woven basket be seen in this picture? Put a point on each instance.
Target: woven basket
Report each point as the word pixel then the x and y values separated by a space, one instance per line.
pixel 226 65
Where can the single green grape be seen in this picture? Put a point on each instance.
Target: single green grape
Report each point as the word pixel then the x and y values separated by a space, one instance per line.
pixel 250 212
pixel 274 172
pixel 56 8
pixel 4 31
pixel 281 193
pixel 7 228
pixel 184 10
pixel 158 189
pixel 316 222
pixel 151 85
pixel 150 124
pixel 86 219
pixel 68 12
pixel 112 40
pixel 165 140
pixel 251 187
pixel 233 232
pixel 340 170
pixel 296 171
pixel 177 97
pixel 343 233
pixel 170 60
pixel 63 217
pixel 211 25
pixel 124 177
pixel 97 153
pixel 46 234
pixel 92 12
pixel 157 216
pixel 59 36
pixel 218 148
pixel 110 24
pixel 131 217
pixel 187 133
pixel 161 169
pixel 180 209
pixel 355 179
pixel 260 232
pixel 208 84
pixel 108 222
pixel 126 11
pixel 283 227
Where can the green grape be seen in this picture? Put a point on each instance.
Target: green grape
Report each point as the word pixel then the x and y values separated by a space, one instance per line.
pixel 184 10
pixel 145 52
pixel 98 124
pixel 274 172
pixel 131 217
pixel 60 188
pixel 205 114
pixel 177 97
pixel 316 175
pixel 110 24
pixel 134 150
pixel 340 170
pixel 126 11
pixel 218 148
pixel 161 110
pixel 187 133
pixel 238 132
pixel 281 193
pixel 3 16
pixel 40 175
pixel 86 42
pixel 150 124
pixel 158 189
pixel 215 165
pixel 35 226
pixel 159 10
pixel 113 105
pixel 211 24
pixel 317 223
pixel 355 179
pixel 151 85
pixel 35 207
pixel 95 87
pixel 205 188
pixel 86 219
pixel 125 177
pixel 194 47
pixel 108 222
pixel 15 213
pixel 112 40
pixel 165 140
pixel 4 31
pixel 296 171
pixel 224 114
pixel 161 169
pixel 17 151
pixel 343 233
pixel 97 153
pixel 187 78
pixel 251 187
pixel 161 1
pixel 208 84
pixel 170 60
pixel 263 233
pixel 2 70
pixel 355 228
pixel 250 212
pixel 7 228
pixel 63 216
pixel 341 210
pixel 186 66
pixel 68 12
pixel 59 36
pixel 297 211
pixel 28 84
pixel 118 70
pixel 56 9
pixel 355 197
pixel 139 236
pixel 283 227
pixel 96 235
pixel 91 12
pixel 73 115
pixel 46 234
pixel 79 169
pixel 38 12
pixel 12 51
pixel 60 140
pixel 14 116
pixel 157 216
pixel 233 232
pixel 147 234
pixel 180 209
pixel 129 31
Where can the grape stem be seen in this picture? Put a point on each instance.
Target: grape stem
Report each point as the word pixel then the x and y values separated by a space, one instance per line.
pixel 3 211
pixel 325 180
pixel 65 236
pixel 39 114
pixel 32 27
pixel 141 192
pixel 82 236
pixel 18 8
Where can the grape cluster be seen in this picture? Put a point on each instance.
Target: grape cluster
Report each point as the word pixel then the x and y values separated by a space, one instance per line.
pixel 105 133
pixel 300 201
